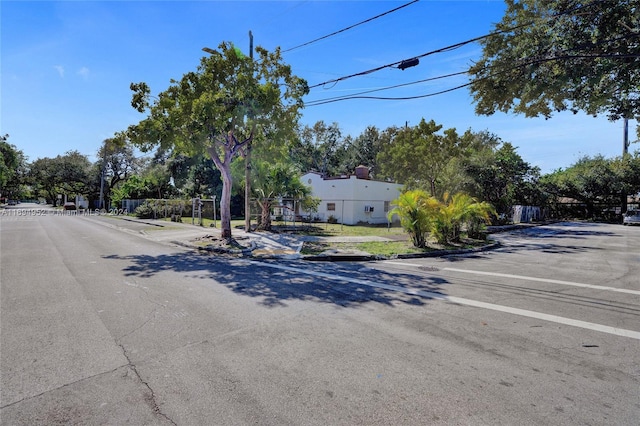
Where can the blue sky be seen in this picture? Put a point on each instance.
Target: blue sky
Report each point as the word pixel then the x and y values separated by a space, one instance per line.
pixel 66 68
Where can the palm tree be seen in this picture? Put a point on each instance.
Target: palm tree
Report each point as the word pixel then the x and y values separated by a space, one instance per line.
pixel 416 210
pixel 457 211
pixel 272 181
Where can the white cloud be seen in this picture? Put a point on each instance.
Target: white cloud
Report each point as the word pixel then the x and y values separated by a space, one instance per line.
pixel 60 70
pixel 84 72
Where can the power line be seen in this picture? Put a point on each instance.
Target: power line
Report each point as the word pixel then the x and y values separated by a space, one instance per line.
pixel 405 98
pixel 525 62
pixel 355 95
pixel 381 98
pixel 449 48
pixel 432 52
pixel 350 27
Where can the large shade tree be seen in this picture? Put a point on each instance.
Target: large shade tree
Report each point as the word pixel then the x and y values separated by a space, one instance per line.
pixel 555 55
pixel 13 168
pixel 320 148
pixel 363 151
pixel 219 109
pixel 590 180
pixel 68 174
pixel 596 180
pixel 502 178
pixel 116 163
pixel 418 156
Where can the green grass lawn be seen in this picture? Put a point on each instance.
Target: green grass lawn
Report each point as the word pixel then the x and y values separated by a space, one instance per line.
pixel 400 244
pixel 319 229
pixel 381 248
pixel 386 248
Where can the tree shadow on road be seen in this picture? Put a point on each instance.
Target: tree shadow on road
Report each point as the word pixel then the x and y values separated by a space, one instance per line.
pixel 273 283
pixel 554 238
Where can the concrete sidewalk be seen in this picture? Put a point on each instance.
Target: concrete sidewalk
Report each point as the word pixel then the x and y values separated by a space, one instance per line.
pixel 258 244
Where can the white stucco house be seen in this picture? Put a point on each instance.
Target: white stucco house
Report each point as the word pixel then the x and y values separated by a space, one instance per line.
pixel 351 199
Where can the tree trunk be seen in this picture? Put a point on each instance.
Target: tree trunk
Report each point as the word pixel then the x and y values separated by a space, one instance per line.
pixel 54 199
pixel 591 210
pixel 432 187
pixel 247 190
pixel 230 147
pixel 225 204
pixel 265 214
pixel 225 199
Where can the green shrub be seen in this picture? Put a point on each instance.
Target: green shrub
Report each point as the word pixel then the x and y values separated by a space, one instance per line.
pixel 144 211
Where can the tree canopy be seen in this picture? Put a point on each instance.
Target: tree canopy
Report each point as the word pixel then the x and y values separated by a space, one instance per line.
pixel 117 163
pixel 417 156
pixel 220 108
pixel 65 174
pixel 596 180
pixel 555 55
pixel 12 168
pixel 319 148
pixel 501 177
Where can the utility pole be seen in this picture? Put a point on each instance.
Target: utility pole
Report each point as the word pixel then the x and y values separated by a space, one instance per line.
pixel 625 137
pixel 625 151
pixel 247 163
pixel 104 165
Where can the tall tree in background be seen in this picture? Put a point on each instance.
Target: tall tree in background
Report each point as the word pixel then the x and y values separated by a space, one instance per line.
pixel 65 174
pixel 219 109
pixel 502 178
pixel 116 162
pixel 556 55
pixel 13 169
pixel 362 150
pixel 320 148
pixel 417 156
pixel 195 175
pixel 590 180
pixel 477 149
pixel 628 168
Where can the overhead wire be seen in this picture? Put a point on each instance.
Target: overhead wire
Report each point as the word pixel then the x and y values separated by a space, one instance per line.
pixel 447 48
pixel 566 54
pixel 350 27
pixel 353 96
pixel 528 61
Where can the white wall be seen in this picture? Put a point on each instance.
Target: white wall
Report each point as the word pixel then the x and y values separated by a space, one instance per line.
pixel 350 196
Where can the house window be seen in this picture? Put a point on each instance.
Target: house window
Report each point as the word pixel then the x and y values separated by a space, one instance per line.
pixel 331 207
pixel 386 206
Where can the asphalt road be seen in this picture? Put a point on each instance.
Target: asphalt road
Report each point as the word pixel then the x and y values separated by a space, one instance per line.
pixel 102 326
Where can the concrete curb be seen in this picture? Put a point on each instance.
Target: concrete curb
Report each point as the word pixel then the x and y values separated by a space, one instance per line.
pixel 369 258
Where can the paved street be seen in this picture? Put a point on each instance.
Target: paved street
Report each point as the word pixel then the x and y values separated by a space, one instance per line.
pixel 106 325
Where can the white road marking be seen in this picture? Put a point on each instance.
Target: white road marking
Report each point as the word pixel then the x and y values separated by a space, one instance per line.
pixel 546 280
pixel 462 301
pixel 526 278
pixel 393 262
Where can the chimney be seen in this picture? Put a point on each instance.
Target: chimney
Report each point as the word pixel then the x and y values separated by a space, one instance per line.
pixel 362 172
